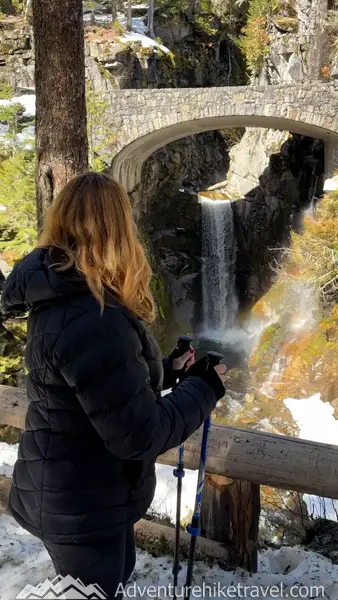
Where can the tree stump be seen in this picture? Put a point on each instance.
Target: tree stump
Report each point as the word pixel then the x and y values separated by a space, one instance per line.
pixel 230 515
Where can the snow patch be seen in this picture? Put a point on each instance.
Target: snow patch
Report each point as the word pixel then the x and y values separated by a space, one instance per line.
pixel 8 456
pixel 165 497
pixel 28 101
pixel 331 184
pixel 314 418
pixel 317 423
pixel 145 41
pixel 24 561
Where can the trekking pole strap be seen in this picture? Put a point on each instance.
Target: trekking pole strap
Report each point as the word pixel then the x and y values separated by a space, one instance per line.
pixel 194 531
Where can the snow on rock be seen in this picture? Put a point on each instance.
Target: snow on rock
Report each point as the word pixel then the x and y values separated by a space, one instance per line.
pixel 24 560
pixel 146 41
pixel 28 101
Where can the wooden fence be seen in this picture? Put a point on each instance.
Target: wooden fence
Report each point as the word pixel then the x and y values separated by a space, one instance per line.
pixel 239 460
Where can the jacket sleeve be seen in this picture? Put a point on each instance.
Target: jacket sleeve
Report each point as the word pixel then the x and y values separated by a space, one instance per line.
pixel 101 358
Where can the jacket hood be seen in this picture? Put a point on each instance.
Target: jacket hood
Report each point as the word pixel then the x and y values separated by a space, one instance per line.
pixel 34 280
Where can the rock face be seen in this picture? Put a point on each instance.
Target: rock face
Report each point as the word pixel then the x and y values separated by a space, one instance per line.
pixel 250 157
pixel 296 56
pixel 322 537
pixel 266 216
pixel 268 212
pixel 112 62
pixel 296 52
pixel 16 55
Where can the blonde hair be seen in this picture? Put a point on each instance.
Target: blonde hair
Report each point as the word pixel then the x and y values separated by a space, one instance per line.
pixel 91 222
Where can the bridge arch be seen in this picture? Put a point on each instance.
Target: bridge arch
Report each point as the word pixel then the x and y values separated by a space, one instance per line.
pixel 146 120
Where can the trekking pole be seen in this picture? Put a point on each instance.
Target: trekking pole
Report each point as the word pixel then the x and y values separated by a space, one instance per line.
pixel 183 345
pixel 213 359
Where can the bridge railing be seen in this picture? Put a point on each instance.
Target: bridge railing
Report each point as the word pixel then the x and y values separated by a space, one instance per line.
pixel 239 461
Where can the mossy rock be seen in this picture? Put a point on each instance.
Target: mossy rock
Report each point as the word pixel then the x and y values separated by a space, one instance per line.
pixel 10 435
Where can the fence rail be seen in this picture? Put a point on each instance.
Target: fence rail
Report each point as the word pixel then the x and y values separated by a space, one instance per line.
pixel 264 458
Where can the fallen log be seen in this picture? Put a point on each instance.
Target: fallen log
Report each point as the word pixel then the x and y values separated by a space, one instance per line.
pixel 160 539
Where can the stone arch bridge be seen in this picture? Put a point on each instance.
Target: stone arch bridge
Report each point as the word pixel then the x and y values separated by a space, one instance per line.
pixel 146 120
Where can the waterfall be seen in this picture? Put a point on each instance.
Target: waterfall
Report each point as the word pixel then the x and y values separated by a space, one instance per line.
pixel 218 273
pixel 313 195
pixel 274 377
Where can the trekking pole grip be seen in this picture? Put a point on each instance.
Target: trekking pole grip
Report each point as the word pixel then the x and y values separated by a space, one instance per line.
pixel 184 344
pixel 213 359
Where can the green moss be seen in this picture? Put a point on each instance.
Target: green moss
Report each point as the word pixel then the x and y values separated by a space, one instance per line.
pixel 105 74
pixel 9 435
pixel 159 290
pixel 288 23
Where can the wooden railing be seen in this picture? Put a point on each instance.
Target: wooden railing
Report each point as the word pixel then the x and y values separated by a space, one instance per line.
pixel 239 460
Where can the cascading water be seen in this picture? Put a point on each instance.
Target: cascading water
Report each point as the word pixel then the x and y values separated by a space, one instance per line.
pixel 218 274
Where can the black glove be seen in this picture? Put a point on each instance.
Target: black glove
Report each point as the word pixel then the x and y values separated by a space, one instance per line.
pixel 208 374
pixel 171 376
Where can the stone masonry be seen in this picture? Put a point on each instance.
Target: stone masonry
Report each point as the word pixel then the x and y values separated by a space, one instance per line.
pixel 145 120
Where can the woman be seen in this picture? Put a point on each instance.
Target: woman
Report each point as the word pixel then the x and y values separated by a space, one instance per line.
pixel 96 421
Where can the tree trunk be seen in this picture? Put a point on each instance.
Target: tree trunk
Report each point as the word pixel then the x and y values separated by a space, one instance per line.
pixel 151 12
pixel 129 18
pixel 230 515
pixel 61 128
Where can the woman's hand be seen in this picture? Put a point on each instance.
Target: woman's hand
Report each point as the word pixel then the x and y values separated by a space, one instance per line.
pixel 221 372
pixel 185 361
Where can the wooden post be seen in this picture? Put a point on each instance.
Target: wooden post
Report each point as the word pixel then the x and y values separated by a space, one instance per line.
pixel 230 515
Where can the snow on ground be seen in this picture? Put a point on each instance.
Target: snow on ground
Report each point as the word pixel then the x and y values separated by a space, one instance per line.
pixel 24 560
pixel 8 455
pixel 317 423
pixel 165 497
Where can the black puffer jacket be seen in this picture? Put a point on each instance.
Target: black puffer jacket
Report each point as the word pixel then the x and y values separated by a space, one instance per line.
pixel 95 422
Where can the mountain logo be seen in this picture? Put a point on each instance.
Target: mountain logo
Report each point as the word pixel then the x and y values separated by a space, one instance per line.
pixel 62 588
